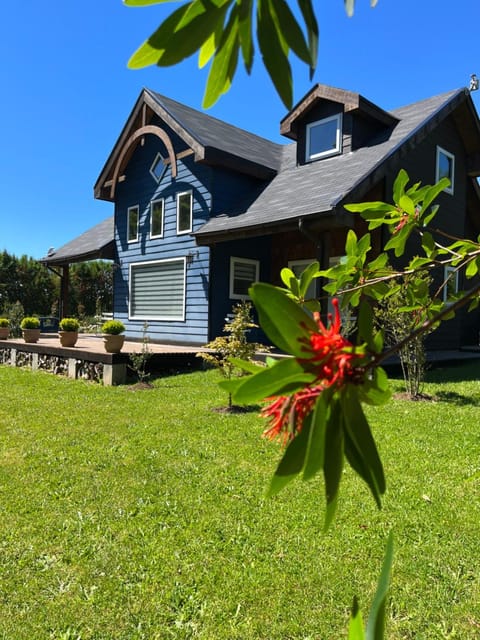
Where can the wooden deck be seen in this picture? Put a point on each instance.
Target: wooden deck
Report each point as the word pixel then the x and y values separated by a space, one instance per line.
pixel 89 360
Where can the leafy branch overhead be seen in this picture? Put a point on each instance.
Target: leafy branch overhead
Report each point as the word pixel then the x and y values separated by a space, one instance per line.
pixel 223 30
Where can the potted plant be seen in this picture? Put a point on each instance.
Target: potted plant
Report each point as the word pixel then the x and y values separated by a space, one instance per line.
pixel 4 328
pixel 30 327
pixel 68 332
pixel 112 338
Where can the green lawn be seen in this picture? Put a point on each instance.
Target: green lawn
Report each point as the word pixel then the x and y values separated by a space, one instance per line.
pixel 128 515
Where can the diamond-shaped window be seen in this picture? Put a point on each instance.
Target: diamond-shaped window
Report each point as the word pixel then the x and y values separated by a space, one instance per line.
pixel 158 167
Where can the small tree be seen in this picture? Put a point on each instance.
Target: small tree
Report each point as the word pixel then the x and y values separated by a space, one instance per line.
pixel 398 316
pixel 233 345
pixel 139 359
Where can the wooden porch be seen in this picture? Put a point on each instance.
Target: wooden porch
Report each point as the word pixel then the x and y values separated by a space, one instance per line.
pixel 88 360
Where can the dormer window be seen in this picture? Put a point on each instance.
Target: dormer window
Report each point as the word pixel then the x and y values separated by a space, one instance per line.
pixel 324 138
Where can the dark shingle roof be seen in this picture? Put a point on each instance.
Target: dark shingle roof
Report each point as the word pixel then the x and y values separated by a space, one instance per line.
pixel 216 134
pixel 318 187
pixel 96 243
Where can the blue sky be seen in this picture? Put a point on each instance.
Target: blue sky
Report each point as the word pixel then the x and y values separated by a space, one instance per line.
pixel 67 91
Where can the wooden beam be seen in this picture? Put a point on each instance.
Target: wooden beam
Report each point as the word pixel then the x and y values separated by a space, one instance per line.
pixel 148 129
pixel 179 156
pixel 109 183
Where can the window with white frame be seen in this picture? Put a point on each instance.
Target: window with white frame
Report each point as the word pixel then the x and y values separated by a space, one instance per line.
pixel 445 168
pixel 157 290
pixel 450 277
pixel 324 137
pixel 156 218
pixel 184 212
pixel 133 215
pixel 158 168
pixel 243 273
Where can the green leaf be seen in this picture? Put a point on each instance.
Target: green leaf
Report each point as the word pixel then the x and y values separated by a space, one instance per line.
pixel 208 48
pixel 287 276
pixel 246 365
pixel 376 619
pixel 292 462
pixel 360 447
pixel 333 463
pixel 311 24
pixel 289 30
pixel 365 323
pixel 315 453
pixel 351 243
pixel 407 205
pixel 275 58
pixel 150 51
pixel 472 269
pixel 224 63
pixel 399 185
pixel 355 629
pixel 203 18
pixel 377 390
pixel 365 207
pixel 306 277
pixel 428 217
pixel 245 33
pixel 232 384
pixel 270 381
pixel 433 192
pixel 283 320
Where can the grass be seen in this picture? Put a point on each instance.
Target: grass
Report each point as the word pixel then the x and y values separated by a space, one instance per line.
pixel 129 515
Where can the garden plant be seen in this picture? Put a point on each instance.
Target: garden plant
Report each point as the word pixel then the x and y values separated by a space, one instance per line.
pixel 316 397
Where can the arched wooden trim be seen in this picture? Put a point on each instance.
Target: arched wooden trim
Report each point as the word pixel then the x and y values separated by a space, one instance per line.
pixel 154 130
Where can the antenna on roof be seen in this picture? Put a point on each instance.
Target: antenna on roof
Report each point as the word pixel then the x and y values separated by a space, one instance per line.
pixel 473 82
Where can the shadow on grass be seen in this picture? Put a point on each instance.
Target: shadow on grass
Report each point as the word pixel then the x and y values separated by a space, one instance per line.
pixel 237 409
pixel 458 372
pixel 457 398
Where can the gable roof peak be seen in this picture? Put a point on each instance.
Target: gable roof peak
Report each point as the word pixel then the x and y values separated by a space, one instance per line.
pixel 350 101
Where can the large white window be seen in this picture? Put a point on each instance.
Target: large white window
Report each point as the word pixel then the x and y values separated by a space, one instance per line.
pixel 243 273
pixel 184 212
pixel 157 290
pixel 445 168
pixel 133 217
pixel 324 137
pixel 156 218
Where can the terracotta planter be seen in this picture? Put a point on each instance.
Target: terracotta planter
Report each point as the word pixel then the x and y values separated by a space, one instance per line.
pixel 4 333
pixel 113 344
pixel 68 338
pixel 31 335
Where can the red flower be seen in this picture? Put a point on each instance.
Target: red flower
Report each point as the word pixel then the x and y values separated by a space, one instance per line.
pixel 331 358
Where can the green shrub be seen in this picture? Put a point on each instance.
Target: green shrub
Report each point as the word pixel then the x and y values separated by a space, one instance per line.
pixel 4 322
pixel 30 323
pixel 113 327
pixel 69 324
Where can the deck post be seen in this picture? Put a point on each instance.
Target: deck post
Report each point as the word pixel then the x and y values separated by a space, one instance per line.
pixel 13 357
pixel 114 374
pixel 72 368
pixel 34 361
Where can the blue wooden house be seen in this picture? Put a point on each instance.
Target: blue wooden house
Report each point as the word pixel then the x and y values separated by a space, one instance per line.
pixel 202 208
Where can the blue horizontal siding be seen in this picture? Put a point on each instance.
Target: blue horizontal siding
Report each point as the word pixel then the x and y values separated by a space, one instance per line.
pixel 139 188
